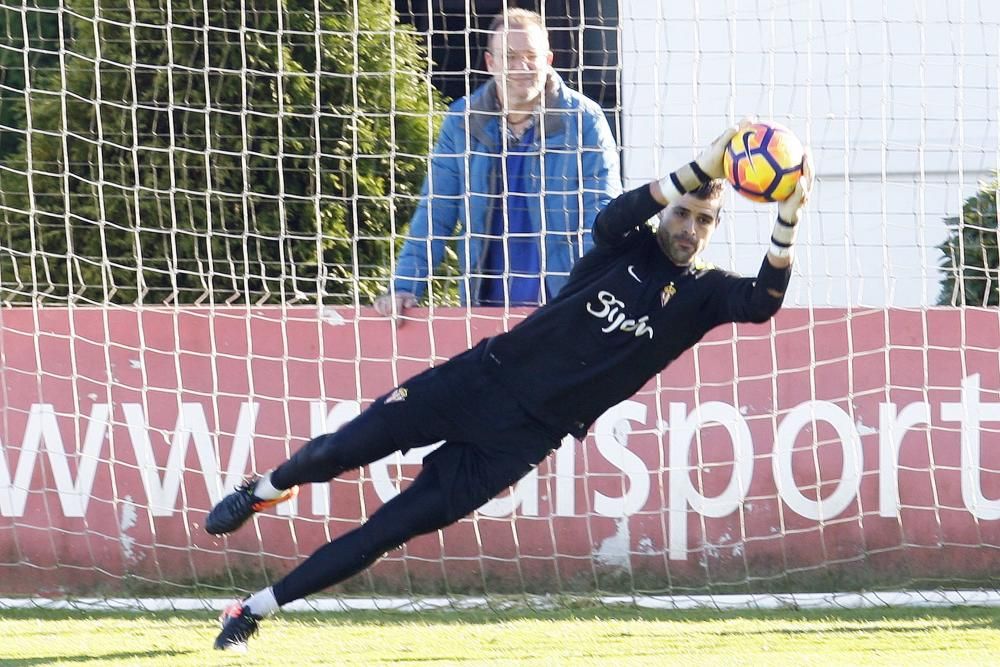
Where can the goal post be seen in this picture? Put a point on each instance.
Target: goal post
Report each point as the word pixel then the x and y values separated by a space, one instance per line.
pixel 199 203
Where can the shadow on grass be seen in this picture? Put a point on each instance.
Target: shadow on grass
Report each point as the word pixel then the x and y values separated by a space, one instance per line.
pixel 860 621
pixel 124 655
pixel 836 619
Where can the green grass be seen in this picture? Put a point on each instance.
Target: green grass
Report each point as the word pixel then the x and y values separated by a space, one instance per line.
pixel 910 637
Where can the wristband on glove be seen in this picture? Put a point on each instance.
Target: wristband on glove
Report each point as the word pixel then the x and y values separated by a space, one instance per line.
pixel 783 237
pixel 699 173
pixel 684 180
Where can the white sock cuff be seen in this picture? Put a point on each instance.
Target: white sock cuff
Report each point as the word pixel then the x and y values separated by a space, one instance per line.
pixel 262 603
pixel 265 490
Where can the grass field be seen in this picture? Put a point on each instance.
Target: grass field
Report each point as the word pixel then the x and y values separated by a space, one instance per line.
pixel 954 636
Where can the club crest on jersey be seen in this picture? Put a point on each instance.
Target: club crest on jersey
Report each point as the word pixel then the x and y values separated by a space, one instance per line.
pixel 666 293
pixel 398 394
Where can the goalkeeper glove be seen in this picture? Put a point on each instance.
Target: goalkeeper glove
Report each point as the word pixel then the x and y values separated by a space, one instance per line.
pixel 702 169
pixel 790 211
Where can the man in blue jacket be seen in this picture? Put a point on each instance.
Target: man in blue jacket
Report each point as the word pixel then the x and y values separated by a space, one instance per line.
pixel 519 171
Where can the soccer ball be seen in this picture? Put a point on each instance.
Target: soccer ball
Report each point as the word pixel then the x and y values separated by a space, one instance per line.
pixel 764 162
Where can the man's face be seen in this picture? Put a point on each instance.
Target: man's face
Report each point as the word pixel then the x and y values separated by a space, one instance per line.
pixel 519 61
pixel 686 227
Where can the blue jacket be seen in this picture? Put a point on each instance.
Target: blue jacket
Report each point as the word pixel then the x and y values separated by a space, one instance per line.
pixel 581 175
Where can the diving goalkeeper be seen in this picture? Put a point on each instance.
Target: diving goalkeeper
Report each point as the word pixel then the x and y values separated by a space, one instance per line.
pixel 634 303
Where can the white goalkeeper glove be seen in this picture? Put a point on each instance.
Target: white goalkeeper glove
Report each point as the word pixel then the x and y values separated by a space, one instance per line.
pixel 702 169
pixel 790 212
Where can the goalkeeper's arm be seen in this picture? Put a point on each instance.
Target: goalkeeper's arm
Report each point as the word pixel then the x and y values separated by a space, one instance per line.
pixel 625 213
pixel 786 227
pixel 705 167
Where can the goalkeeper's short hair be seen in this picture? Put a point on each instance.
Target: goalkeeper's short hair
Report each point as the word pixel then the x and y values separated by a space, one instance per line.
pixel 709 190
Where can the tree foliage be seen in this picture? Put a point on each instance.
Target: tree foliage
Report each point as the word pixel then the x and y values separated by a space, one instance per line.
pixel 29 43
pixel 255 151
pixel 971 263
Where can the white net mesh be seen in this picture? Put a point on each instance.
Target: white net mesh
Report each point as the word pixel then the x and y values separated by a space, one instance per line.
pixel 199 202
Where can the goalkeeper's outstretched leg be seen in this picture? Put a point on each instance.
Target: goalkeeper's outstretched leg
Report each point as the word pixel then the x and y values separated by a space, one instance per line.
pixel 423 411
pixel 359 442
pixel 456 479
pixel 248 498
pixel 451 402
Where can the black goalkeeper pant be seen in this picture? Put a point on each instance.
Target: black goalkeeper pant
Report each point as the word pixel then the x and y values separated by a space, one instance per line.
pixel 490 442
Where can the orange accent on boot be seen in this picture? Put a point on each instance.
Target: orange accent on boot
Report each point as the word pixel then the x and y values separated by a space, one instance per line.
pixel 287 494
pixel 234 610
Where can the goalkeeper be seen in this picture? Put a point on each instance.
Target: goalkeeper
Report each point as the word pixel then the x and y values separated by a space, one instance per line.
pixel 634 303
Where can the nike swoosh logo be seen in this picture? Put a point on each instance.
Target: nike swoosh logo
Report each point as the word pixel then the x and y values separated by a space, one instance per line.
pixel 631 272
pixel 746 149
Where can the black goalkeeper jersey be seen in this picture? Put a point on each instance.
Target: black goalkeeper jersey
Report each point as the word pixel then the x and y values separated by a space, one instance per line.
pixel 625 314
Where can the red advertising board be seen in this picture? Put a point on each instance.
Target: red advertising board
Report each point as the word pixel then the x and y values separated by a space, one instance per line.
pixel 829 447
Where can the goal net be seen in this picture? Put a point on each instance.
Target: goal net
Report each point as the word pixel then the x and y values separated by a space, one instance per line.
pixel 199 202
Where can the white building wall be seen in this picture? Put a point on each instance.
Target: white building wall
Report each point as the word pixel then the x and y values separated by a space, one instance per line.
pixel 898 100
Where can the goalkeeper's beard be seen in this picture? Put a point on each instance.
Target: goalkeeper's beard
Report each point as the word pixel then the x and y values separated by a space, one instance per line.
pixel 680 249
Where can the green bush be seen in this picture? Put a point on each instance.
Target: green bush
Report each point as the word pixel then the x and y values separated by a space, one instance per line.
pixel 971 264
pixel 29 41
pixel 238 155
